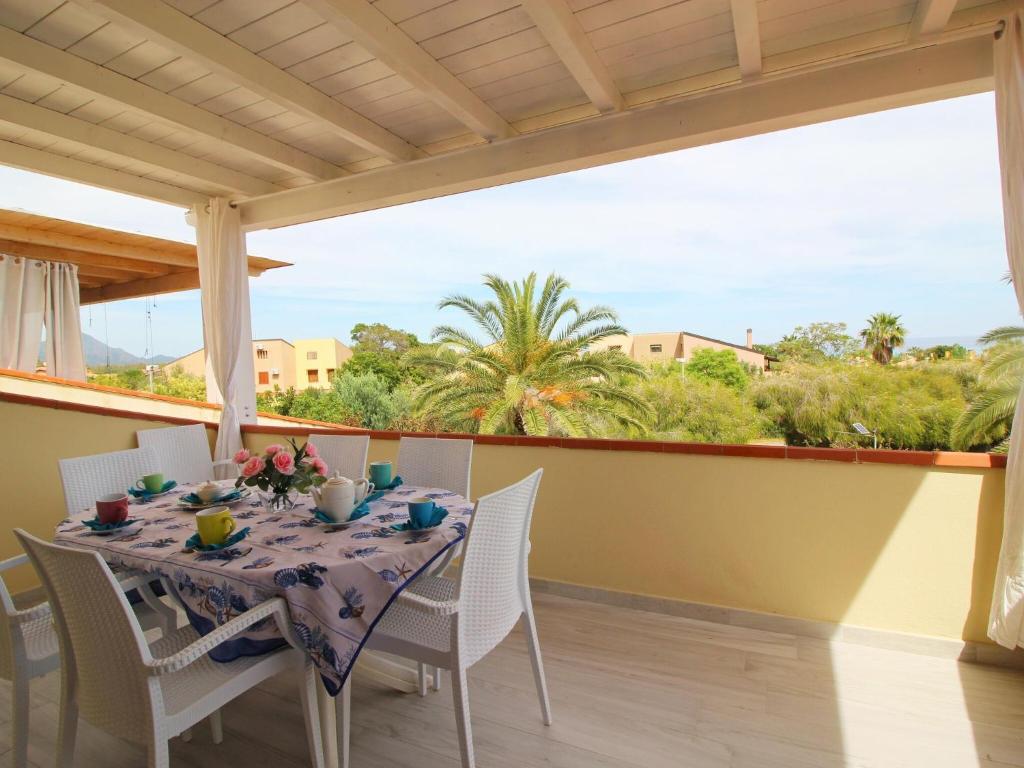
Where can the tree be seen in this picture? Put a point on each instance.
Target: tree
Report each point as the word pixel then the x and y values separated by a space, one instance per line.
pixel 535 372
pixel 987 419
pixel 696 409
pixel 817 342
pixel 367 398
pixel 883 334
pixel 378 337
pixel 720 365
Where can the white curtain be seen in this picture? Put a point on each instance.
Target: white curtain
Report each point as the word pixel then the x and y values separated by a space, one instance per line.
pixel 227 330
pixel 64 355
pixel 1006 620
pixel 22 303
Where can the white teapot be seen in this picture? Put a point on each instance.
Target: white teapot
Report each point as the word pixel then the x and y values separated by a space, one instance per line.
pixel 337 497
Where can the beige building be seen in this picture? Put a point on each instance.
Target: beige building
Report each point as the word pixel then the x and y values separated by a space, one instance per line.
pixel 679 345
pixel 276 362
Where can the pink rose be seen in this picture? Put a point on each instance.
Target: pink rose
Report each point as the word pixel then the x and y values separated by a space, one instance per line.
pixel 284 463
pixel 273 449
pixel 311 450
pixel 319 466
pixel 242 456
pixel 253 466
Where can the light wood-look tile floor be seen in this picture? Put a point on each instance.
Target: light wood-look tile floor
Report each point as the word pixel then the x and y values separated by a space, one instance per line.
pixel 630 688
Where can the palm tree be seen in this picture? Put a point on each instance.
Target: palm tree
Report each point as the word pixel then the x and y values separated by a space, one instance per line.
pixel 534 373
pixel 987 419
pixel 883 334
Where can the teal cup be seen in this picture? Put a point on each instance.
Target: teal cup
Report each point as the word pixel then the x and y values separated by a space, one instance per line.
pixel 421 512
pixel 380 473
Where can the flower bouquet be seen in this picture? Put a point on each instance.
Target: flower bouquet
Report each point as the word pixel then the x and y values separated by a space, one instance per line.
pixel 279 475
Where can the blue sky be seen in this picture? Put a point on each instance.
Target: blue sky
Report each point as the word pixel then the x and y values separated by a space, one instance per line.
pixel 897 212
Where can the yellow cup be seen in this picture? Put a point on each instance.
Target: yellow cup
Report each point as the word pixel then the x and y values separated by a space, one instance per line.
pixel 215 525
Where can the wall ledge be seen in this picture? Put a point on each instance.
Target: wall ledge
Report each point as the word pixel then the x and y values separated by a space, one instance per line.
pixel 944 459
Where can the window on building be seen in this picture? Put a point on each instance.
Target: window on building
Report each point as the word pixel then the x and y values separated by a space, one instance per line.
pixel 615 347
pixel 277 375
pixel 330 374
pixel 262 354
pixel 264 377
pixel 313 376
pixel 311 355
pixel 655 347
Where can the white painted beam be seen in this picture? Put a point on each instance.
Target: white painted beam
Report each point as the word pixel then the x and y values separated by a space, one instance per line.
pixel 558 24
pixel 201 172
pixel 767 104
pixel 26 53
pixel 38 161
pixel 930 17
pixel 376 33
pixel 187 37
pixel 748 37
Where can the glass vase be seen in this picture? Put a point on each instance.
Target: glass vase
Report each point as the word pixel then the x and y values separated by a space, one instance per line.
pixel 274 503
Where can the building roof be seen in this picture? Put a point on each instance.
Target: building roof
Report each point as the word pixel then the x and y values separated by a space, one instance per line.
pixel 111 264
pixel 306 110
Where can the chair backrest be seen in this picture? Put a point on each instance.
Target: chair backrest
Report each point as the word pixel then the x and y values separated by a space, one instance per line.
pixel 183 452
pixel 99 636
pixel 345 454
pixel 87 478
pixel 436 462
pixel 492 576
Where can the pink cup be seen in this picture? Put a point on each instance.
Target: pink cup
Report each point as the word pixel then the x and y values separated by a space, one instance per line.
pixel 112 508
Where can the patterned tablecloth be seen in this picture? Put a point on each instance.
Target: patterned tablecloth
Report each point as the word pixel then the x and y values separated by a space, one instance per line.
pixel 337 582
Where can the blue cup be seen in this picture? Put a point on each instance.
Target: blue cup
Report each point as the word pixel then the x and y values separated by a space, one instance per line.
pixel 421 512
pixel 380 473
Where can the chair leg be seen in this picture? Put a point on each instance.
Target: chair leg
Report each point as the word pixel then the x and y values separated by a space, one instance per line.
pixel 216 727
pixel 311 714
pixel 67 726
pixel 158 754
pixel 167 616
pixel 19 720
pixel 460 697
pixel 437 678
pixel 343 713
pixel 421 678
pixel 530 625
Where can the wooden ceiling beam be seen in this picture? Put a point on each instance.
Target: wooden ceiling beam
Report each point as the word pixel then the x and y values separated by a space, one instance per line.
pixel 558 24
pixel 50 164
pixel 854 87
pixel 747 31
pixel 200 172
pixel 375 32
pixel 180 281
pixel 26 53
pixel 68 256
pixel 90 245
pixel 193 40
pixel 930 17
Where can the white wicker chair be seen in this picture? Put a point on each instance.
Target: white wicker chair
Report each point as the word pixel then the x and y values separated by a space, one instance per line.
pixel 436 462
pixel 28 649
pixel 345 454
pixel 86 478
pixel 183 453
pixel 452 624
pixel 149 694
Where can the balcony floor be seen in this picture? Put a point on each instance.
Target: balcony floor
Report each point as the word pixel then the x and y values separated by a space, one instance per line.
pixel 631 688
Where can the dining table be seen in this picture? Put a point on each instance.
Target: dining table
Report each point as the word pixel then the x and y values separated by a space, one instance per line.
pixel 337 582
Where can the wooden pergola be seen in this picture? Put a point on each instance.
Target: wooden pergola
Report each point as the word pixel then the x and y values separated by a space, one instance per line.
pixel 111 264
pixel 305 110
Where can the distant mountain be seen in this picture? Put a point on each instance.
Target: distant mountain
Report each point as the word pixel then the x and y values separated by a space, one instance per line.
pixel 96 354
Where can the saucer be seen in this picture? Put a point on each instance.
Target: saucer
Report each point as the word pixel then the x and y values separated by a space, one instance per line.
pixel 131 525
pixel 145 496
pixel 358 514
pixel 225 501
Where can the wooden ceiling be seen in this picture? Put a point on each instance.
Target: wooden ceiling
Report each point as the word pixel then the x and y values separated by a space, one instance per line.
pixel 180 100
pixel 111 264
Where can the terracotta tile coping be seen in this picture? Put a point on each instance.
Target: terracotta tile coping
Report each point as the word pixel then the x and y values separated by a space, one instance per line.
pixel 948 459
